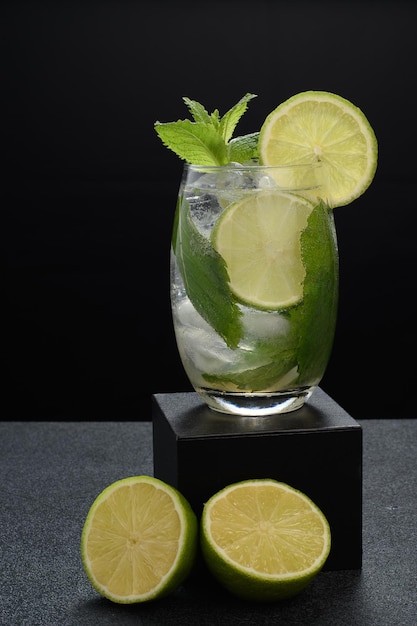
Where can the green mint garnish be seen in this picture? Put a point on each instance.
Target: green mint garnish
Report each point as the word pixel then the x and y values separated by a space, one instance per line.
pixel 207 140
pixel 316 323
pixel 206 279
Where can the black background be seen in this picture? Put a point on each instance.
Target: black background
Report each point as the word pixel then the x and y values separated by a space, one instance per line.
pixel 89 191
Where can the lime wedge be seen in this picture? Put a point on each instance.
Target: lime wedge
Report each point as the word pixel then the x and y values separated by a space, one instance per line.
pixel 264 540
pixel 139 540
pixel 317 126
pixel 259 239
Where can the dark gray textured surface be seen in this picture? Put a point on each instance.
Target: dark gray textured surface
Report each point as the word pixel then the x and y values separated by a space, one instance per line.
pixel 52 471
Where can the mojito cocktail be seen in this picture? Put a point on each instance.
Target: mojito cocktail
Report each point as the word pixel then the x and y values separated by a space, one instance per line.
pixel 254 259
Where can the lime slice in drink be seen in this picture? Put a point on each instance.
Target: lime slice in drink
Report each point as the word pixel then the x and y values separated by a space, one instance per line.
pixel 259 239
pixel 264 540
pixel 139 540
pixel 317 126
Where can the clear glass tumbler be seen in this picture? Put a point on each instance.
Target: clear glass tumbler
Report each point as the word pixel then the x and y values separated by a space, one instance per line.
pixel 254 285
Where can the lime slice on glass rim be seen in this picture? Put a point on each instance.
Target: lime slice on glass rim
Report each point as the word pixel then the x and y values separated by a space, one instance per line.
pixel 139 540
pixel 318 126
pixel 259 239
pixel 264 540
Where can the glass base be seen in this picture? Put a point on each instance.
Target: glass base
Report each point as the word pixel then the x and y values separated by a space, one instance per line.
pixel 253 404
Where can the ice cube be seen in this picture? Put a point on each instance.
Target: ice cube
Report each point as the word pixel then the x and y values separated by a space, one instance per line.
pixel 202 345
pixel 266 182
pixel 264 324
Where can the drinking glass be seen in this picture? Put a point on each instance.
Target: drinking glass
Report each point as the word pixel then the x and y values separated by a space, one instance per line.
pixel 254 284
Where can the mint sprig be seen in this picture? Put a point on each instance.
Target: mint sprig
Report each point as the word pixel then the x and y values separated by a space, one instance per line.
pixel 207 140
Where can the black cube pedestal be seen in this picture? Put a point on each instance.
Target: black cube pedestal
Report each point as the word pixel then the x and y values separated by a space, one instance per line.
pixel 316 449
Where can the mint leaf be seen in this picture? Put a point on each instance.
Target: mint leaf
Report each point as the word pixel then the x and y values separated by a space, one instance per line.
pixel 198 112
pixel 230 119
pixel 206 279
pixel 316 318
pixel 194 142
pixel 207 140
pixel 215 119
pixel 243 149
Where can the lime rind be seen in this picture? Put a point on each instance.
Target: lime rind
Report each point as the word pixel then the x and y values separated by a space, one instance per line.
pixel 319 126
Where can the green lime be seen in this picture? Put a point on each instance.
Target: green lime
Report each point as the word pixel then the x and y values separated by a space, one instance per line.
pixel 317 126
pixel 259 238
pixel 139 540
pixel 264 540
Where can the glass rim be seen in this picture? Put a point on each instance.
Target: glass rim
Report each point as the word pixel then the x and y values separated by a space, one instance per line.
pixel 251 166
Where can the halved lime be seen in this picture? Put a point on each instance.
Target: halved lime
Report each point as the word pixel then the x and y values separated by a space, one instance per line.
pixel 139 540
pixel 264 540
pixel 259 239
pixel 318 126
